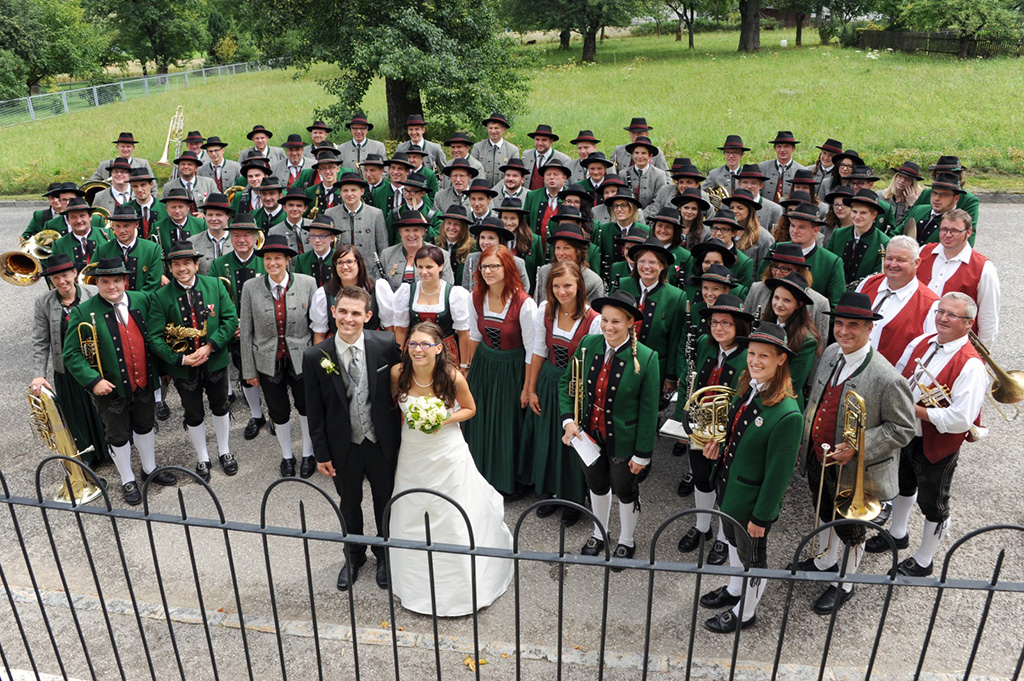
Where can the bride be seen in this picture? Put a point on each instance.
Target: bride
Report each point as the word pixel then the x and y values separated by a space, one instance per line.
pixel 441 461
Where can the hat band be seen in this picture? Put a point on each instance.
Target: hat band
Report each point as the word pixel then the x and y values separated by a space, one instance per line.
pixel 850 310
pixel 725 308
pixel 791 259
pixel 766 338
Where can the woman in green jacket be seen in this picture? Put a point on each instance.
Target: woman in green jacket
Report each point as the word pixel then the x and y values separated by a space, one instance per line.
pixel 791 308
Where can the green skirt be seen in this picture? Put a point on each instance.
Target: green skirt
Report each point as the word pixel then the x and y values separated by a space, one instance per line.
pixel 494 434
pixel 84 423
pixel 557 469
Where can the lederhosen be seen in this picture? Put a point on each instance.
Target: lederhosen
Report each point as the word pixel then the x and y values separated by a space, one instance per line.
pixel 200 379
pixel 332 326
pixel 136 410
pixel 443 319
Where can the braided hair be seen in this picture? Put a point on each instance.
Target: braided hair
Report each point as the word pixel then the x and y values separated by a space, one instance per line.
pixel 632 342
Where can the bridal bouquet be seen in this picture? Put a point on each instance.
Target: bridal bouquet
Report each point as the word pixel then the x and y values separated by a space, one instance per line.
pixel 426 414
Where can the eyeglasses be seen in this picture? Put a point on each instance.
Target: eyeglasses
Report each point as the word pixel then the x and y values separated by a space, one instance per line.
pixel 781 269
pixel 413 345
pixel 320 237
pixel 845 165
pixel 724 323
pixel 490 268
pixel 348 263
pixel 950 230
pixel 939 312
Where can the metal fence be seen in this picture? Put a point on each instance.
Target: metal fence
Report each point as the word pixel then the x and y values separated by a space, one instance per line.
pixel 940 43
pixel 96 592
pixel 50 104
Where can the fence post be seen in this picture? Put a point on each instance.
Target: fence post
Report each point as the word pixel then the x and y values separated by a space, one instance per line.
pixel 167 79
pixel 246 68
pixel 31 111
pixel 204 76
pixel 95 96
pixel 64 100
pixel 145 85
pixel 123 97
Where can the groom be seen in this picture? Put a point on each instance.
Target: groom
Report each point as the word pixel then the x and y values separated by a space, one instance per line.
pixel 353 421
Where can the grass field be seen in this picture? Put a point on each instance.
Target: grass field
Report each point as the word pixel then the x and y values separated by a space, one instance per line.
pixel 889 107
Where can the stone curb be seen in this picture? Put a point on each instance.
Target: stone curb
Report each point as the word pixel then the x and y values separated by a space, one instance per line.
pixel 708 669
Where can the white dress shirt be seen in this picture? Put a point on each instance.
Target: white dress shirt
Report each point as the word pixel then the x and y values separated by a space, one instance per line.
pixel 968 390
pixel 894 304
pixel 988 288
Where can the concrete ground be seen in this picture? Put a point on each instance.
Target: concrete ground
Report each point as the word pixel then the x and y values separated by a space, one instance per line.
pixel 987 489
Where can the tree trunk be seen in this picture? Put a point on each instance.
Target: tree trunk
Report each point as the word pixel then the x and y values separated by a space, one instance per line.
pixel 679 28
pixel 800 29
pixel 563 39
pixel 590 45
pixel 145 69
pixel 403 100
pixel 602 35
pixel 690 24
pixel 161 68
pixel 750 25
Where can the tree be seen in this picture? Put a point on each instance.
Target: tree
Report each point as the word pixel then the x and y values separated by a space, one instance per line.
pixel 445 60
pixel 801 9
pixel 12 76
pixel 218 28
pixel 165 32
pixel 970 19
pixel 47 38
pixel 750 25
pixel 586 17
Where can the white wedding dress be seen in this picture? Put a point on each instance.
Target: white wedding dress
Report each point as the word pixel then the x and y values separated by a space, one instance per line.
pixel 442 462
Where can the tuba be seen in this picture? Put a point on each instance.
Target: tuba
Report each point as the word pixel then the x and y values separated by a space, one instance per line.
pixel 49 424
pixel 24 266
pixel 1007 386
pixel 577 385
pixel 94 187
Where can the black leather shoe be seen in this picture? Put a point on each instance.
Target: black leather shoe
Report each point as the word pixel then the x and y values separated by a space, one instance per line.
pixel 307 467
pixel 883 517
pixel 228 463
pixel 623 551
pixel 343 578
pixel 546 510
pixel 827 601
pixel 808 565
pixel 570 516
pixel 719 553
pixel 680 449
pixel 252 429
pixel 593 547
pixel 685 487
pixel 132 495
pixel 231 398
pixel 165 478
pixel 287 468
pixel 691 540
pixel 203 470
pixel 719 598
pixel 382 573
pixel 162 411
pixel 877 544
pixel 911 568
pixel 725 623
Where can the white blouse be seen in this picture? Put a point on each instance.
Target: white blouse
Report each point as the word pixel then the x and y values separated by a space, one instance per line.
pixel 458 301
pixel 318 321
pixel 540 345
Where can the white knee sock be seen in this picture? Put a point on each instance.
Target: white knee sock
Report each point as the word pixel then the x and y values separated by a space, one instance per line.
pixel 629 515
pixel 901 508
pixel 146 444
pixel 602 505
pixel 307 441
pixel 198 436
pixel 755 589
pixel 158 394
pixel 852 564
pixel 252 398
pixel 828 554
pixel 284 438
pixel 221 428
pixel 721 534
pixel 231 387
pixel 703 500
pixel 735 583
pixel 122 457
pixel 933 534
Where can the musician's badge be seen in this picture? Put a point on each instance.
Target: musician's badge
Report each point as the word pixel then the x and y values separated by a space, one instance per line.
pixel 759 422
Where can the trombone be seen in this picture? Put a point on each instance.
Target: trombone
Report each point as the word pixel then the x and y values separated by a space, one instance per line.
pixel 89 343
pixel 1007 386
pixel 577 385
pixel 174 133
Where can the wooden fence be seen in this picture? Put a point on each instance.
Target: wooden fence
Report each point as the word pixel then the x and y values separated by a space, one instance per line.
pixel 939 43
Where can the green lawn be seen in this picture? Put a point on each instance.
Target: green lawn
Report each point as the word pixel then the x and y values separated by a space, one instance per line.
pixel 889 107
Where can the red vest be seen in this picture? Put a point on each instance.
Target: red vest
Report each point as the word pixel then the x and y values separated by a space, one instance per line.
pixel 508 329
pixel 905 326
pixel 824 429
pixel 544 218
pixel 965 279
pixel 280 318
pixel 937 446
pixel 569 345
pixel 134 344
pixel 595 424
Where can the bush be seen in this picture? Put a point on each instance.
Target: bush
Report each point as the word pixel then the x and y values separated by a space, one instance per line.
pixel 829 30
pixel 224 51
pixel 849 34
pixel 769 24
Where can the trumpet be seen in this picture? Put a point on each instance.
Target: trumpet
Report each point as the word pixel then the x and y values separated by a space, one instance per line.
pixel 174 133
pixel 577 385
pixel 49 424
pixel 24 266
pixel 89 344
pixel 1007 386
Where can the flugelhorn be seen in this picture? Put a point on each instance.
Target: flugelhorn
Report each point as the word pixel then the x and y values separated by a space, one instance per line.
pixel 716 194
pixel 175 130
pixel 707 413
pixel 1007 386
pixel 578 385
pixel 89 344
pixel 49 424
pixel 937 396
pixel 24 266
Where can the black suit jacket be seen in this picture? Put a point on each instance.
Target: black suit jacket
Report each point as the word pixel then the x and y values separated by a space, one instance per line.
pixel 327 405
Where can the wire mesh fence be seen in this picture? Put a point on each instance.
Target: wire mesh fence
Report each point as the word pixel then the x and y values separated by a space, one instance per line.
pixel 50 104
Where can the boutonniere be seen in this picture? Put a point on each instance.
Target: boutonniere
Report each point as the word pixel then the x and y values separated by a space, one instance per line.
pixel 328 365
pixel 209 310
pixel 394 269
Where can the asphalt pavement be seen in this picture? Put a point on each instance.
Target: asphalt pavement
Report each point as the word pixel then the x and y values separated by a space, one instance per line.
pixel 987 489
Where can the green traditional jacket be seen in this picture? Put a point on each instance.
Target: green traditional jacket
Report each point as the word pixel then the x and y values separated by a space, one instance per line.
pixel 145 263
pixel 304 262
pixel 631 405
pixel 37 222
pixel 264 222
pixel 170 305
pixel 229 267
pixel 827 272
pixel 706 351
pixel 605 234
pixel 967 201
pixel 58 224
pixel 157 212
pixel 800 368
pixel 534 259
pixel 432 183
pixel 682 259
pixel 108 338
pixel 620 271
pixel 663 328
pixel 742 271
pixel 921 215
pixel 534 204
pixel 165 229
pixel 867 255
pixel 433 216
pixel 758 459
pixel 71 247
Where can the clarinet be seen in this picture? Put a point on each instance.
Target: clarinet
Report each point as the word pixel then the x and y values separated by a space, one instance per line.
pixel 379 266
